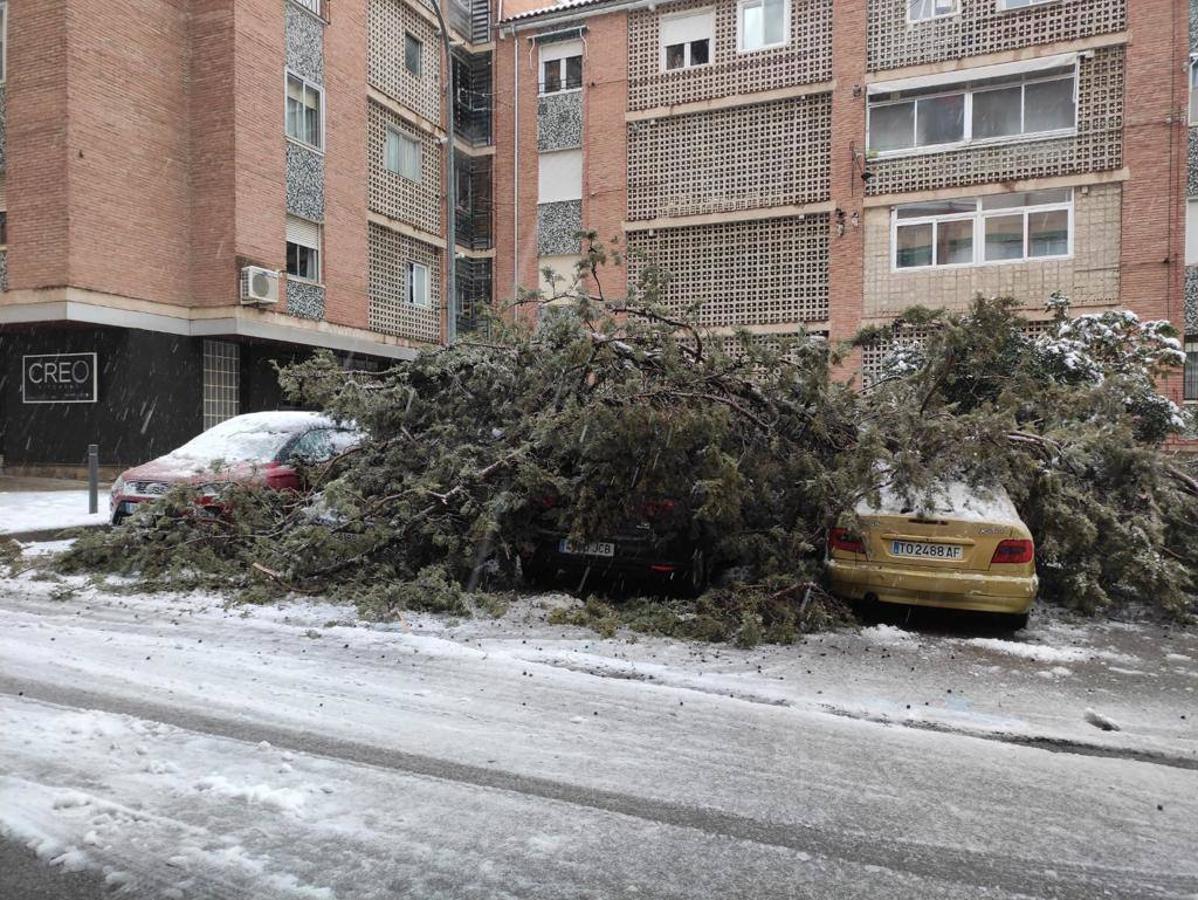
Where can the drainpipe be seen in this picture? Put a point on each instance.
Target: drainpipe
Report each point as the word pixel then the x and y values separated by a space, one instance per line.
pixel 451 229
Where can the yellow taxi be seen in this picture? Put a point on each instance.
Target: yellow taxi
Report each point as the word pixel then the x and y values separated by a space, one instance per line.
pixel 964 548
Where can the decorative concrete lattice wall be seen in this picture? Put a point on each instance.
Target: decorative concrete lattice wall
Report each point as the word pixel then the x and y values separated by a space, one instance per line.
pixel 393 195
pixel 743 273
pixel 390 312
pixel 1090 276
pixel 389 21
pixel 3 128
pixel 3 270
pixel 1097 146
pixel 806 59
pixel 305 300
pixel 980 28
pixel 558 225
pixel 749 157
pixel 559 121
pixel 305 182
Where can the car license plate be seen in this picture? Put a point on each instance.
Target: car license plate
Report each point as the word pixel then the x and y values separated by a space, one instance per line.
pixel 599 548
pixel 917 550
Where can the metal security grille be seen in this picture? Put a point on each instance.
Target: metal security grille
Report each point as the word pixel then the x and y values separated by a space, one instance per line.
pixel 807 58
pixel 390 312
pixel 1098 145
pixel 390 21
pixel 743 273
pixel 745 158
pixel 981 28
pixel 393 195
pixel 222 382
pixel 474 292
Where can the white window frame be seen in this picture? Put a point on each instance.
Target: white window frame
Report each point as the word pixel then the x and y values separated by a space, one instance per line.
pixel 3 41
pixel 740 27
pixel 1193 87
pixel 707 12
pixel 1192 231
pixel 1005 5
pixel 403 136
pixel 979 217
pixel 420 303
pixel 308 85
pixel 969 93
pixel 317 247
pixel 913 20
pixel 559 52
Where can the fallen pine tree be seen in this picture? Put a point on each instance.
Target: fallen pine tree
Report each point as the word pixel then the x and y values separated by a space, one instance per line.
pixel 606 406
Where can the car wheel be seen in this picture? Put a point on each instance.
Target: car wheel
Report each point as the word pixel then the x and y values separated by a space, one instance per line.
pixel 1014 622
pixel 534 571
pixel 118 518
pixel 698 575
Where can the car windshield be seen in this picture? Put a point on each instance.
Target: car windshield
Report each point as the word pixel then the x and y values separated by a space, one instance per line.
pixel 257 437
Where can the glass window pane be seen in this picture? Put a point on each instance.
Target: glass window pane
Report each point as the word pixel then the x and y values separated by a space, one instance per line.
pixel 1043 198
pixel 1048 105
pixel 914 246
pixel 996 113
pixel 954 242
pixel 1004 238
pixel 940 120
pixel 892 127
pixel 675 56
pixel 699 55
pixel 574 72
pixel 413 54
pixel 751 28
pixel 774 25
pixel 937 208
pixel 553 76
pixel 1004 201
pixel 1048 233
pixel 1191 371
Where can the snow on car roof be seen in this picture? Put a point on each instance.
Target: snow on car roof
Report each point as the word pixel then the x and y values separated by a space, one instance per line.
pixel 253 437
pixel 955 498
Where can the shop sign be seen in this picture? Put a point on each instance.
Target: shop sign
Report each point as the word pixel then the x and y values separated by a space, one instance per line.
pixel 59 378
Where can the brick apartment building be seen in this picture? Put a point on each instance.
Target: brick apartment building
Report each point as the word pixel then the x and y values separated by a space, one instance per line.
pixel 155 154
pixel 823 165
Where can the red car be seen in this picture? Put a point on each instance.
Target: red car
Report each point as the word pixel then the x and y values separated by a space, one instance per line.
pixel 257 448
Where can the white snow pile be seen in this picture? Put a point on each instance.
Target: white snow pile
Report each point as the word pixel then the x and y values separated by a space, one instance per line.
pixel 954 499
pixel 45 510
pixel 253 437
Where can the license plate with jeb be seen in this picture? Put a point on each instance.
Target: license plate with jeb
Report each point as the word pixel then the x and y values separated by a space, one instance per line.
pixel 598 548
pixel 920 550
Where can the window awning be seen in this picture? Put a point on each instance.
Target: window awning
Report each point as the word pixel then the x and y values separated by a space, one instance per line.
pixel 979 73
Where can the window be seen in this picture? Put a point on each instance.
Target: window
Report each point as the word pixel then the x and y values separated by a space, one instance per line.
pixel 418 285
pixel 1004 5
pixel 987 230
pixel 561 67
pixel 303 249
pixel 762 24
pixel 1194 90
pixel 686 40
pixel 1192 232
pixel 222 382
pixel 413 54
pixel 1190 390
pixel 993 109
pixel 402 155
pixel 3 228
pixel 560 176
pixel 304 112
pixel 3 41
pixel 922 10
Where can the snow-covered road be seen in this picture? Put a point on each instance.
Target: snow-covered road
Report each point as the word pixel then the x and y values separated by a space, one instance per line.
pixel 181 749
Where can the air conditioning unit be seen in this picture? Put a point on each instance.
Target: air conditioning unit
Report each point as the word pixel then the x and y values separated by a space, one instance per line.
pixel 259 287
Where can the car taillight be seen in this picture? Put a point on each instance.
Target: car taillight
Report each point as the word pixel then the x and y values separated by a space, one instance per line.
pixel 658 509
pixel 1014 552
pixel 840 539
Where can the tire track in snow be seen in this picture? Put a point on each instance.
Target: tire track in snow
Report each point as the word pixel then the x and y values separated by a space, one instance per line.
pixel 952 865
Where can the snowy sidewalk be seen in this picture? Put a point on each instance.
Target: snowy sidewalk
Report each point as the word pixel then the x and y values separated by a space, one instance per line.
pixel 42 511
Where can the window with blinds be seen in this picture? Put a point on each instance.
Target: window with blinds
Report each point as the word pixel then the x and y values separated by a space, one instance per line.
pixel 403 155
pixel 303 249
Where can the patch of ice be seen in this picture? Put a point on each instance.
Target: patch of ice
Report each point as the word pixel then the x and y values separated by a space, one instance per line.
pixel 888 635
